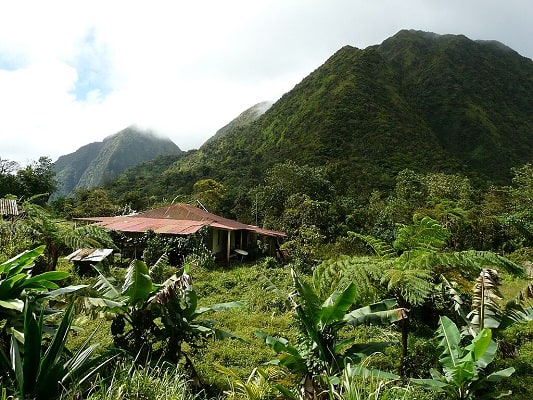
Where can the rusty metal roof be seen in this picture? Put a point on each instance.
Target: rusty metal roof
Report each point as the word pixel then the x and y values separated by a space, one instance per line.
pixel 158 225
pixel 8 207
pixel 177 219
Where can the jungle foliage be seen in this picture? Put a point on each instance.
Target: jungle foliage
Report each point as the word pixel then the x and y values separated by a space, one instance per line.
pixel 404 183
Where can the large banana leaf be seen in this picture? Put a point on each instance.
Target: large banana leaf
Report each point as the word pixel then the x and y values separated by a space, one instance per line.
pixel 336 306
pixel 377 313
pixel 24 260
pixel 450 338
pixel 138 284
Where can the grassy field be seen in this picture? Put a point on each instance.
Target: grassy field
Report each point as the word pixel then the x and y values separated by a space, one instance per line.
pixel 264 287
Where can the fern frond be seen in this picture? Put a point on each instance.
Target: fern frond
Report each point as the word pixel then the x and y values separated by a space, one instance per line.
pixel 414 285
pixel 378 246
pixel 424 234
pixel 337 274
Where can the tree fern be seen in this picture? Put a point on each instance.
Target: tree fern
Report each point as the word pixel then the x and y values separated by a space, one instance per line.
pixel 424 234
pixel 337 274
pixel 381 248
pixel 413 285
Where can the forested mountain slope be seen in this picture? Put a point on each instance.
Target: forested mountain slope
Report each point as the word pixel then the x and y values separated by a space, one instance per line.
pixel 94 164
pixel 418 100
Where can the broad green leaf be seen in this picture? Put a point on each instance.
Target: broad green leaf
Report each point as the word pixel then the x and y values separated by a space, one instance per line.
pixel 480 344
pixel 105 285
pixel 367 348
pixel 499 375
pixel 432 384
pixel 336 306
pixel 378 313
pixel 63 290
pixel 137 284
pixel 52 358
pixel 24 259
pixel 450 341
pixel 309 303
pixel 16 364
pixel 32 349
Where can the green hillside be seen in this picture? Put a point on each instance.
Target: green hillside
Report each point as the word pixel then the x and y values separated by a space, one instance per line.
pixel 422 101
pixel 418 100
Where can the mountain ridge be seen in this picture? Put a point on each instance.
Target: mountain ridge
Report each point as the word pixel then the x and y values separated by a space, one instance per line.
pixel 418 100
pixel 95 163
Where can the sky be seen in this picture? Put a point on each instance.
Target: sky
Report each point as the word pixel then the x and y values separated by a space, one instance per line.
pixel 73 72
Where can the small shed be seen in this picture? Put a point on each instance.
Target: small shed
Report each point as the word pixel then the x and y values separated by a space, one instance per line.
pixel 8 208
pixel 84 258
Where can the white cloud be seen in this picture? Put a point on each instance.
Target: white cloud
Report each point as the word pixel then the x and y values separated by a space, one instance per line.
pixel 73 72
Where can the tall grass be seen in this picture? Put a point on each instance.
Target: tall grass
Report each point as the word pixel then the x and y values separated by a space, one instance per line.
pixel 130 381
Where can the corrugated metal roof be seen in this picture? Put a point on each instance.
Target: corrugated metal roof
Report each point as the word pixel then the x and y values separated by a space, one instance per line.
pixel 89 255
pixel 8 207
pixel 177 219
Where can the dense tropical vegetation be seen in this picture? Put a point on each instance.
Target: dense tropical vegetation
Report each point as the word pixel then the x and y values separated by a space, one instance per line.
pixel 408 270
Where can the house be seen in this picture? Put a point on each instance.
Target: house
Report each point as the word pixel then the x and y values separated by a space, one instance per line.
pixel 226 237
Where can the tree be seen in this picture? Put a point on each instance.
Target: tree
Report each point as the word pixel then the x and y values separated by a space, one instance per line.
pixel 61 236
pixel 283 181
pixel 521 199
pixel 90 203
pixel 209 193
pixel 412 265
pixel 38 178
pixel 9 183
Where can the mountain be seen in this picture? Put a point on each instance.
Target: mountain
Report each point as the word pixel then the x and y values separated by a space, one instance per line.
pixel 245 118
pixel 96 163
pixel 418 100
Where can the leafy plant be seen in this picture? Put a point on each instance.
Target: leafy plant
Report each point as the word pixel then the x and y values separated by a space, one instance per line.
pixel 17 283
pixel 60 236
pixel 463 374
pixel 156 319
pixel 257 386
pixel 322 353
pixel 487 310
pixel 417 257
pixel 43 373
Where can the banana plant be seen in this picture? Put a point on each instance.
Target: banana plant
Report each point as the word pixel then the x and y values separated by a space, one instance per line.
pixel 147 315
pixel 321 352
pixel 17 283
pixel 44 373
pixel 487 309
pixel 463 375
